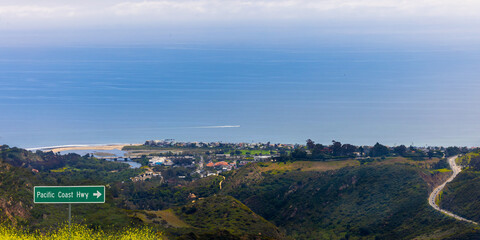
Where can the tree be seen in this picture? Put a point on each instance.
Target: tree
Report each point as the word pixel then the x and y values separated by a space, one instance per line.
pixel 452 151
pixel 310 144
pixel 299 153
pixel 336 148
pixel 318 151
pixel 430 154
pixel 475 163
pixel 379 150
pixel 361 150
pixel 400 150
pixel 348 149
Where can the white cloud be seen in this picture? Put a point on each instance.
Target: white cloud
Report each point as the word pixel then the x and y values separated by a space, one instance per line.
pixel 176 21
pixel 29 13
pixel 35 11
pixel 249 10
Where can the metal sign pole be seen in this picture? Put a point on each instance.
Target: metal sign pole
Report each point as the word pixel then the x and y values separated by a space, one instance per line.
pixel 69 221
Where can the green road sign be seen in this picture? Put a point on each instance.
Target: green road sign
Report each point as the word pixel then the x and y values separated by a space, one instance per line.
pixel 69 194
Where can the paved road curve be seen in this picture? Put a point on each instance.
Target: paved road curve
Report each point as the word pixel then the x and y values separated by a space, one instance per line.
pixel 431 199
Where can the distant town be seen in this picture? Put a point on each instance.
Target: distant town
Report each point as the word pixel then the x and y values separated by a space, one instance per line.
pixel 174 161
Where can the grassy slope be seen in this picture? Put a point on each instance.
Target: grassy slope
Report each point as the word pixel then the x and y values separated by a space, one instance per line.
pixel 384 200
pixel 16 197
pixel 462 195
pixel 227 213
pixel 15 193
pixel 166 218
pixel 310 200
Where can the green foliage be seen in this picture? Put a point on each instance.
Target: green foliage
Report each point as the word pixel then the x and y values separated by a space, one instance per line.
pixel 377 200
pixel 461 195
pixel 387 202
pixel 379 150
pixel 157 196
pixel 441 164
pixel 142 160
pixel 452 151
pixel 16 186
pixel 471 160
pixel 227 213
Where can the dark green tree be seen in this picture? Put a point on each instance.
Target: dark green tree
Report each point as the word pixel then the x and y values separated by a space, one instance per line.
pixel 400 150
pixel 310 144
pixel 379 150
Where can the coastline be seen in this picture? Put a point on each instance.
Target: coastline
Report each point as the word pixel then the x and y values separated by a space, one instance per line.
pixel 56 149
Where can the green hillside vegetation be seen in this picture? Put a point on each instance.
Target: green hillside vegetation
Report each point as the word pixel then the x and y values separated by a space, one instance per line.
pixel 467 159
pixel 250 152
pixel 433 163
pixel 16 189
pixel 371 198
pixel 151 195
pixel 164 217
pixel 227 213
pixel 207 217
pixel 461 195
pixel 387 202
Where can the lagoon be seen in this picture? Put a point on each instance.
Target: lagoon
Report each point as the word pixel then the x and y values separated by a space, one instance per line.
pixel 114 155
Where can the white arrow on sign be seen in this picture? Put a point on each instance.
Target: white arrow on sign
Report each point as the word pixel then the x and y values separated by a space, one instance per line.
pixel 97 194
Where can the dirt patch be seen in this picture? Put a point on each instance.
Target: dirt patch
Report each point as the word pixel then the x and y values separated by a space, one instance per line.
pixel 167 218
pixel 309 165
pixel 14 211
pixel 434 179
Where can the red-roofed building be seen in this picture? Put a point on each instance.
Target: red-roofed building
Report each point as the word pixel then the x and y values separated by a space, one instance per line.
pixel 222 163
pixel 210 164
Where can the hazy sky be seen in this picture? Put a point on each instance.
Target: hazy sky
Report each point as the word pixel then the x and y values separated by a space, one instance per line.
pixel 147 22
pixel 357 71
pixel 62 14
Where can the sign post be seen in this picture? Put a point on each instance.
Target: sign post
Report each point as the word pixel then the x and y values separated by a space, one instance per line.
pixel 68 194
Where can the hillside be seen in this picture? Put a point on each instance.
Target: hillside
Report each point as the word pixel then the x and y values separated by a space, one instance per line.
pixel 384 201
pixel 15 193
pixel 17 179
pixel 461 195
pixel 227 213
pixel 214 215
pixel 377 198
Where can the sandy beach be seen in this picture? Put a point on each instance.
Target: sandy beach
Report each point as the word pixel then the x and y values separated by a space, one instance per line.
pixel 85 147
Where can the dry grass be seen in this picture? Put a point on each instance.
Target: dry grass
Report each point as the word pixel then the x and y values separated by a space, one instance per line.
pixel 426 164
pixel 162 217
pixel 333 165
pixel 172 219
pixel 307 165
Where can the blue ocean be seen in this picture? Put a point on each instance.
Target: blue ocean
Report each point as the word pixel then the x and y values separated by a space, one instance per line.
pixel 358 94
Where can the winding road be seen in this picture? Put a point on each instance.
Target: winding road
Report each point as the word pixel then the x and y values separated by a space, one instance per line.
pixel 431 199
pixel 221 182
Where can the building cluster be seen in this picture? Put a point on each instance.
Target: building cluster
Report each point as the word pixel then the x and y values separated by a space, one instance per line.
pixel 173 143
pixel 184 160
pixel 147 175
pixel 165 161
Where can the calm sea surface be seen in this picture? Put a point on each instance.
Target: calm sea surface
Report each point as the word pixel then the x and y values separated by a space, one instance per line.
pixel 55 96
